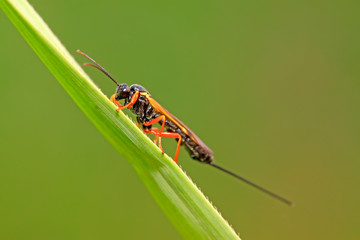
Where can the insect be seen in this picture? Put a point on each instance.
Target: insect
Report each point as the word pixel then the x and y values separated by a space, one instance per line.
pixel 149 112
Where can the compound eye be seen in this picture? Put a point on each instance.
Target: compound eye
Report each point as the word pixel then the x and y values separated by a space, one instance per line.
pixel 122 91
pixel 125 92
pixel 126 89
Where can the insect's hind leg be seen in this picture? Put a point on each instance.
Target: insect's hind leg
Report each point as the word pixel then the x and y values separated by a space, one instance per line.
pixel 156 132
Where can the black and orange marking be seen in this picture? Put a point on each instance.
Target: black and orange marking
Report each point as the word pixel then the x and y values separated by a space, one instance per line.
pixel 149 112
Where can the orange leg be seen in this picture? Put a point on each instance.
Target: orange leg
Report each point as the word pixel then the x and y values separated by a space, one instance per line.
pixel 133 100
pixel 156 132
pixel 112 99
pixel 156 120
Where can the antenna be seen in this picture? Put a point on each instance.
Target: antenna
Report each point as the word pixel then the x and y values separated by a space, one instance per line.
pixel 97 66
pixel 278 197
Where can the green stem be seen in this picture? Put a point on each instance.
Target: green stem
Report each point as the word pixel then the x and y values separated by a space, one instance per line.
pixel 183 203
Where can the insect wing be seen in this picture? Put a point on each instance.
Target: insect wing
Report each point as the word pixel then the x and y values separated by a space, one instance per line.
pixel 177 122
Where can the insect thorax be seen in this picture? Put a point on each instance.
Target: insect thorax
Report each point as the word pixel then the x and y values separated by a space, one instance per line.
pixel 143 110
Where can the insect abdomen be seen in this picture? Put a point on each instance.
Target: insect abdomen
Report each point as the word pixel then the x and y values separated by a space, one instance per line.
pixel 195 150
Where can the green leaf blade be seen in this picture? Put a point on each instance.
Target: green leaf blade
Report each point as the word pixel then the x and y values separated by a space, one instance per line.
pixel 183 203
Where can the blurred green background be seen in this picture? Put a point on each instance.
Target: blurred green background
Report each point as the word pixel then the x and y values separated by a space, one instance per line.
pixel 271 87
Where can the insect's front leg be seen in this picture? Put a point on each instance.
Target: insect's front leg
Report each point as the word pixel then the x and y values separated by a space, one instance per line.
pixel 133 100
pixel 113 99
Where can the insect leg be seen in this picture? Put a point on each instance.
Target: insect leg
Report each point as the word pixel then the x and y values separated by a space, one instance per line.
pixel 112 99
pixel 156 132
pixel 156 120
pixel 153 131
pixel 133 100
pixel 173 135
